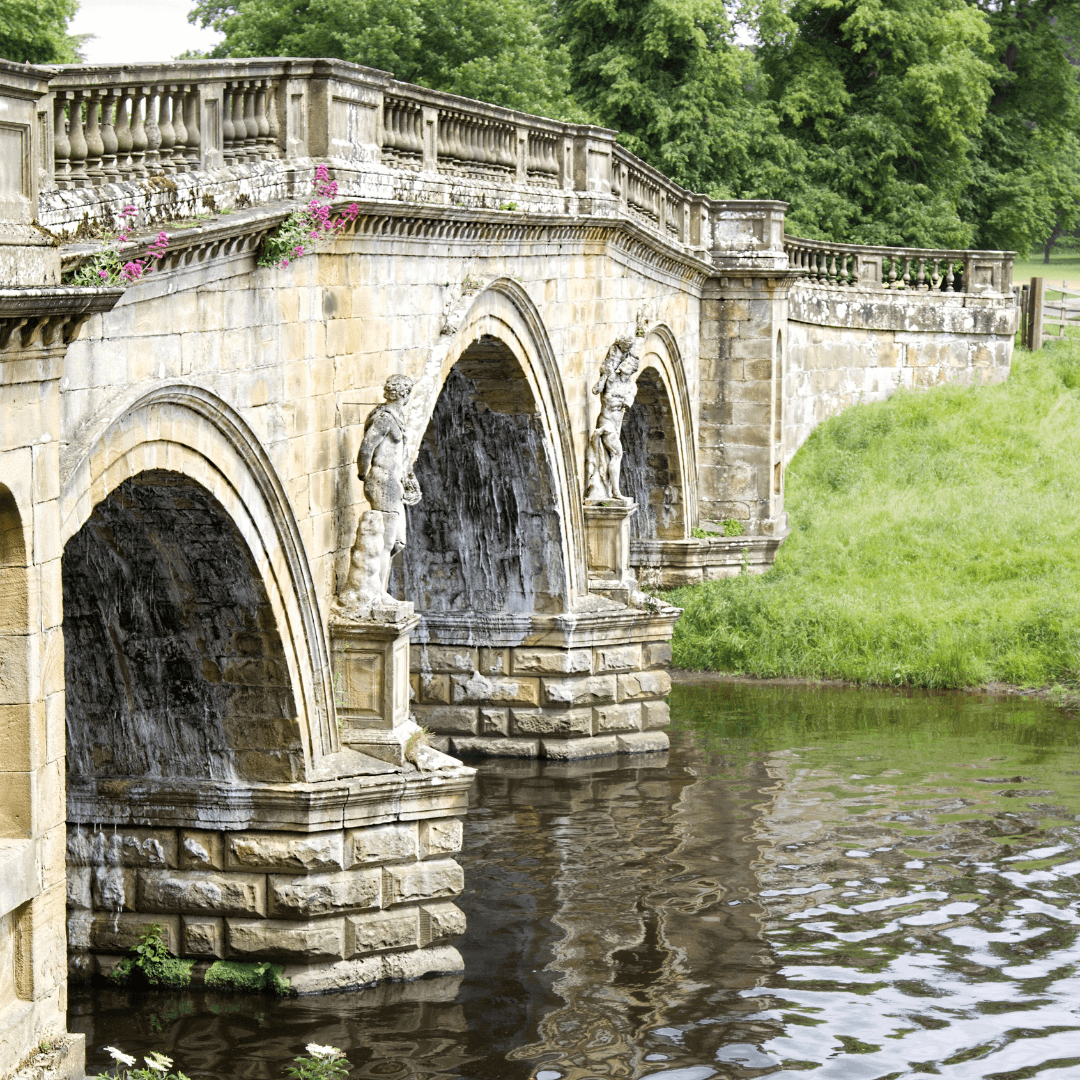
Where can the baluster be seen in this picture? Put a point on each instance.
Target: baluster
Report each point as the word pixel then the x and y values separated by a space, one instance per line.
pixel 239 124
pixel 110 144
pixel 193 144
pixel 273 90
pixel 907 271
pixel 228 132
pixel 262 121
pixel 77 153
pixel 140 104
pixel 94 145
pixel 950 280
pixel 179 151
pixel 153 131
pixel 479 142
pixel 414 118
pixel 61 144
pixel 251 142
pixel 461 152
pixel 920 276
pixel 892 270
pixel 166 130
pixel 389 130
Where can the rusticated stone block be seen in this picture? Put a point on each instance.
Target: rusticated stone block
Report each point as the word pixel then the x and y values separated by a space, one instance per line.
pixel 285 853
pixel 433 689
pixel 442 658
pixel 113 888
pixel 655 714
pixel 440 922
pixel 278 940
pixel 656 654
pixel 617 658
pixel 118 933
pixel 541 661
pixel 586 690
pixel 208 891
pixel 123 846
pixel 490 747
pixel 382 930
pixel 201 850
pixel 494 721
pixel 494 661
pixel 78 888
pixel 642 742
pixel 644 684
pixel 323 894
pixel 440 836
pixel 447 719
pixel 551 721
pixel 414 882
pixel 575 749
pixel 202 936
pixel 617 717
pixel 381 843
pixel 480 689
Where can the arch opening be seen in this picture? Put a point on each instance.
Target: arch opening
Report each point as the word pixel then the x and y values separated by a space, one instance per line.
pixel 14 656
pixel 174 665
pixel 487 534
pixel 651 474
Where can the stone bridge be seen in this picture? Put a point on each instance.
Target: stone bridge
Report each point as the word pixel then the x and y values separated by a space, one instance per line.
pixel 188 737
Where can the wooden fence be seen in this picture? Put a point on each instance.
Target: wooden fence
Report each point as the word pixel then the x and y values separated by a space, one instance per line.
pixel 1039 315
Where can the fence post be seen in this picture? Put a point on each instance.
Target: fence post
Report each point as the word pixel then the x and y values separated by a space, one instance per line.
pixel 1035 319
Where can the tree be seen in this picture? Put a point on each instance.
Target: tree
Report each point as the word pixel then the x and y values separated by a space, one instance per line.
pixel 886 99
pixel 35 31
pixel 495 50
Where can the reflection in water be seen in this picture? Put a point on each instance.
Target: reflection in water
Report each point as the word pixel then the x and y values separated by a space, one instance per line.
pixel 854 885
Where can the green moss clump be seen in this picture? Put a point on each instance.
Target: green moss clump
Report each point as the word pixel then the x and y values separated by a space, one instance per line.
pixel 934 543
pixel 152 964
pixel 247 978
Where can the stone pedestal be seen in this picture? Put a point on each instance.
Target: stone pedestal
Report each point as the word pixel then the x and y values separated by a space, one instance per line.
pixel 607 542
pixel 371 683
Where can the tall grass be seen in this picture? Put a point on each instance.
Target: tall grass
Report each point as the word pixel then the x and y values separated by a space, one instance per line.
pixel 935 542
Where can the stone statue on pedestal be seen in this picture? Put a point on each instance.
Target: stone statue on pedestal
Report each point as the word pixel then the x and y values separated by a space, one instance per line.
pixel 388 487
pixel 617 390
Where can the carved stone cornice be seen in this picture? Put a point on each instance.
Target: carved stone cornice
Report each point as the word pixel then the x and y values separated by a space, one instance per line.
pixel 48 316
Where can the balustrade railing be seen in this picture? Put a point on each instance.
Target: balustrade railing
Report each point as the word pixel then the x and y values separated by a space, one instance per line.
pixel 475 142
pixel 650 197
pixel 911 269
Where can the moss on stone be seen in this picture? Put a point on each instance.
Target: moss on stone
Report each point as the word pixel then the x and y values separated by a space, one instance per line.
pixel 247 978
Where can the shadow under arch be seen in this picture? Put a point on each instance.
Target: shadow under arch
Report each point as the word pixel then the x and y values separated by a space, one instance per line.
pixel 15 816
pixel 187 430
pixel 503 311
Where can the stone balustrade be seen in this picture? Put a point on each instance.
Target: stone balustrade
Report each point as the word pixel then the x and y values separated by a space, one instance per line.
pixel 919 269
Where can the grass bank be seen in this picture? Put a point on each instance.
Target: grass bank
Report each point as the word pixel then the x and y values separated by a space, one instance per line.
pixel 935 542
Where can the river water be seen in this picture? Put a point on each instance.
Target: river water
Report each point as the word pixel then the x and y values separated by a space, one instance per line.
pixel 852 885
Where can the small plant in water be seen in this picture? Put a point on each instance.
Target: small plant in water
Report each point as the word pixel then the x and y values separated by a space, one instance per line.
pixel 322 1063
pixel 153 963
pixel 157 1067
pixel 107 267
pixel 301 231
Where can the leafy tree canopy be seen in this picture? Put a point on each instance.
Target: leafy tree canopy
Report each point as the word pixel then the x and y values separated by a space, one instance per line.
pixel 35 31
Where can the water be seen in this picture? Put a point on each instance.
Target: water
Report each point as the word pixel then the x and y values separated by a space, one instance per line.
pixel 831 883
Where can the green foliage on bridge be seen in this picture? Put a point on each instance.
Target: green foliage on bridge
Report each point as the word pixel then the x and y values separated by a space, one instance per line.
pixel 934 543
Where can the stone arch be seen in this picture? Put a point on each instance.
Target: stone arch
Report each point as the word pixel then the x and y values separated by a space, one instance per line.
pixel 660 467
pixel 186 430
pixel 504 312
pixel 14 667
pixel 778 421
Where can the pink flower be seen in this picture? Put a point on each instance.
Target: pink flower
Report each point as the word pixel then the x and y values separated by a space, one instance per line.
pixel 298 250
pixel 103 275
pixel 321 172
pixel 128 211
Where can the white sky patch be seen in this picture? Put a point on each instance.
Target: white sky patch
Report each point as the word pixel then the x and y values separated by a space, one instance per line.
pixel 133 31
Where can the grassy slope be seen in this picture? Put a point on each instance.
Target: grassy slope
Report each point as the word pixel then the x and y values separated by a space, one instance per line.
pixel 935 542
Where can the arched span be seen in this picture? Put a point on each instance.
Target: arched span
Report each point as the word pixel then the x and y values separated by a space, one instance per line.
pixel 661 351
pixel 503 310
pixel 15 690
pixel 186 429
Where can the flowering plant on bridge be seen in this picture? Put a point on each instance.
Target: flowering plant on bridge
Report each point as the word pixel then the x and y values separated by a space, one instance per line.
pixel 107 267
pixel 300 232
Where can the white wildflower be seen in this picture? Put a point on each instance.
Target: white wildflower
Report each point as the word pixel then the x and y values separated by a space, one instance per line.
pixel 315 1050
pixel 158 1062
pixel 119 1056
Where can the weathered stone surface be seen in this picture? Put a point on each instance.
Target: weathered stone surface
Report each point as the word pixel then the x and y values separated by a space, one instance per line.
pixel 443 658
pixel 440 836
pixel 542 661
pixel 588 690
pixel 124 846
pixel 655 714
pixel 381 843
pixel 644 684
pixel 381 930
pixel 447 719
pixel 524 748
pixel 119 932
pixel 480 689
pixel 199 891
pixel 493 661
pixel 414 882
pixel 276 939
pixel 366 971
pixel 618 658
pixel 202 937
pixel 656 654
pixel 494 721
pixel 440 923
pixel 298 853
pixel 642 742
pixel 78 887
pixel 114 888
pixel 575 749
pixel 322 894
pixel 617 717
pixel 201 850
pixel 551 721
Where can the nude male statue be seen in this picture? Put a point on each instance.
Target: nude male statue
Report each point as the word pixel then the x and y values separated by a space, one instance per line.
pixel 388 487
pixel 617 390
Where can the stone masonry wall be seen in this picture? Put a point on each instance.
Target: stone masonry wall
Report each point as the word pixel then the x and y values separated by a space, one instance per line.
pixel 341 907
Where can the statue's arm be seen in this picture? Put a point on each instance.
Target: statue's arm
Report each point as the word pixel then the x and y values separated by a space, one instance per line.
pixel 376 432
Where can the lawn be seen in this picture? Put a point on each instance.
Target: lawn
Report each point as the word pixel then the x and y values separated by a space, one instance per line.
pixel 935 542
pixel 1063 266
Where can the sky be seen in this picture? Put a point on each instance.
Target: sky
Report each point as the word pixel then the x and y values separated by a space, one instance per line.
pixel 129 31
